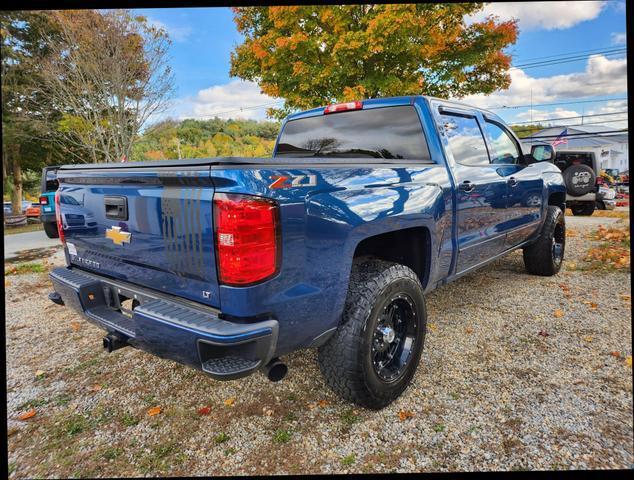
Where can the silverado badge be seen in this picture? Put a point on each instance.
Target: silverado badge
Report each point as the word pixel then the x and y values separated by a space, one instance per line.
pixel 117 236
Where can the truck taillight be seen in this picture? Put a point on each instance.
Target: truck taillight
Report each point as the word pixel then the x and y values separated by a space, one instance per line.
pixel 43 200
pixel 58 216
pixel 343 107
pixel 247 238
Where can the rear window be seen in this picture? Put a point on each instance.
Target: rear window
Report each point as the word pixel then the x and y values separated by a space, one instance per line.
pixel 390 132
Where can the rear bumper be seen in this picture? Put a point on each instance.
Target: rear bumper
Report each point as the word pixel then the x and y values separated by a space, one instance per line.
pixel 168 327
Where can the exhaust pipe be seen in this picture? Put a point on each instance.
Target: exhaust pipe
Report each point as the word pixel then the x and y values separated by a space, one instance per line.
pixel 112 342
pixel 275 370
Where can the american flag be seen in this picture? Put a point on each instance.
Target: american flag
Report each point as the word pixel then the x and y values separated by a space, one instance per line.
pixel 560 139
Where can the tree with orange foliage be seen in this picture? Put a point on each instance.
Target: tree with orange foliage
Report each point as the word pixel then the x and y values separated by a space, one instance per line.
pixel 315 55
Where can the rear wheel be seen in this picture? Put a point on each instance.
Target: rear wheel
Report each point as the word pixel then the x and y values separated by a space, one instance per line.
pixel 50 228
pixel 373 355
pixel 583 209
pixel 545 255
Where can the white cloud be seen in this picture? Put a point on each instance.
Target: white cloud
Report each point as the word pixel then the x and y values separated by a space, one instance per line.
pixel 178 34
pixel 235 99
pixel 619 38
pixel 542 15
pixel 602 76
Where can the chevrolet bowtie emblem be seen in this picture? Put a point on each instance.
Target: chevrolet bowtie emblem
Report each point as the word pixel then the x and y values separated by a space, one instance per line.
pixel 117 236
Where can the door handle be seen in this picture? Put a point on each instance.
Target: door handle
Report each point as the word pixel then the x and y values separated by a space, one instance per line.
pixel 512 182
pixel 466 186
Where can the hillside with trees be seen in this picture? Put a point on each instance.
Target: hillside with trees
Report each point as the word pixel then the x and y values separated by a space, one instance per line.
pixel 171 139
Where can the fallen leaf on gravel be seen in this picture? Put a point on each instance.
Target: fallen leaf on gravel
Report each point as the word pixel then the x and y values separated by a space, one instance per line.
pixel 558 313
pixel 26 415
pixel 432 327
pixel 323 403
pixel 587 338
pixel 6 283
pixel 76 326
pixel 12 431
pixel 267 411
pixel 469 330
pixel 564 287
pixel 571 265
pixel 404 415
pixel 230 401
pixel 204 410
pixel 311 406
pixel 39 373
pixel 95 388
pixel 615 354
pixel 626 298
pixel 543 333
pixel 154 411
pixel 628 361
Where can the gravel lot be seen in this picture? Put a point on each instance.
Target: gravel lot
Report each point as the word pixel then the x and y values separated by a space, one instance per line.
pixel 517 373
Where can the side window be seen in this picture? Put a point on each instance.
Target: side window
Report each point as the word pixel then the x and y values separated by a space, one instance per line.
pixel 504 147
pixel 465 140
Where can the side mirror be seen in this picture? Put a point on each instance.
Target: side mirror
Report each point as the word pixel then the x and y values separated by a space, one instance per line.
pixel 543 153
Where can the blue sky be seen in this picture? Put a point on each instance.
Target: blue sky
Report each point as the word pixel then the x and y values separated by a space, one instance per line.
pixel 204 37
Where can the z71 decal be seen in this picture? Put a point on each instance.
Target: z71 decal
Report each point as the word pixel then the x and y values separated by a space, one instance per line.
pixel 290 181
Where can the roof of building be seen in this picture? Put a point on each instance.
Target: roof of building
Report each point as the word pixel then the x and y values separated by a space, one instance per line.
pixel 582 141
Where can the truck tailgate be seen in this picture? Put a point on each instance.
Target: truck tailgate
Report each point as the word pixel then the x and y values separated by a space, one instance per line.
pixel 151 227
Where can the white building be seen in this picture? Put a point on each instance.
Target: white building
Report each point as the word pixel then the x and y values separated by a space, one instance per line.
pixel 610 149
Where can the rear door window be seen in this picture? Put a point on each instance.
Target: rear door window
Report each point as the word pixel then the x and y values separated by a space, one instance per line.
pixel 388 132
pixel 465 140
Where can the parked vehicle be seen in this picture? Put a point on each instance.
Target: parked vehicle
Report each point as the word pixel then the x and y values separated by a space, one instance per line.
pixel 581 171
pixel 48 186
pixel 227 264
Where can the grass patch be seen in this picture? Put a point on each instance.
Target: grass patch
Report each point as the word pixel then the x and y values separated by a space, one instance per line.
pixel 73 425
pixel 129 420
pixel 281 436
pixel 156 461
pixel 112 453
pixel 35 403
pixel 348 460
pixel 349 418
pixel 229 451
pixel 23 268
pixel 439 427
pixel 222 437
pixel 62 400
pixel 31 227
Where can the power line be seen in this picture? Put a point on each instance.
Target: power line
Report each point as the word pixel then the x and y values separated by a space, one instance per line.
pixel 576 58
pixel 556 103
pixel 570 118
pixel 571 53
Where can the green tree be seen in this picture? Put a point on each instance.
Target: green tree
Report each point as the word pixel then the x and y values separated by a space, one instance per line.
pixel 525 130
pixel 314 55
pixel 26 111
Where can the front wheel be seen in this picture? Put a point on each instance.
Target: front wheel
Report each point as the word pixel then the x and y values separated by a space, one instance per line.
pixel 545 255
pixel 373 355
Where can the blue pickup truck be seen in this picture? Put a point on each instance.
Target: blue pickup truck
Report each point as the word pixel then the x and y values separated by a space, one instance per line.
pixel 227 264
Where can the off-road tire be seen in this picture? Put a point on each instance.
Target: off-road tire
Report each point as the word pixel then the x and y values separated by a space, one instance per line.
pixel 50 228
pixel 539 256
pixel 583 209
pixel 585 176
pixel 346 358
